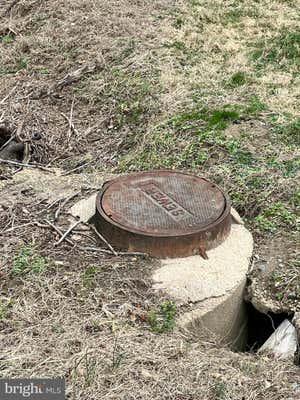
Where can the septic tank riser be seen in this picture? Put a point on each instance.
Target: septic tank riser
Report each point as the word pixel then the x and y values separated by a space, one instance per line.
pixel 211 291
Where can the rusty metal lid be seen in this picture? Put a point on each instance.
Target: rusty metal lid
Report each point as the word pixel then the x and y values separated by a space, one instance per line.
pixel 161 204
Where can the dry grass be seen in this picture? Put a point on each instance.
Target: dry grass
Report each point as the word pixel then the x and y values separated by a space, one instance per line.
pixel 84 317
pixel 134 76
pixel 219 36
pixel 54 39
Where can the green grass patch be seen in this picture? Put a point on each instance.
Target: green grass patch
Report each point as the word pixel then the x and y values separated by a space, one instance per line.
pixel 295 199
pixel 7 38
pixel 233 15
pixel 178 23
pixel 238 79
pixel 127 49
pixel 263 224
pixel 28 261
pixel 255 106
pixel 162 319
pixel 20 64
pixel 186 54
pixel 289 168
pixel 280 51
pixel 44 71
pixel 219 389
pixel 89 275
pixel 287 133
pixel 274 216
pixel 198 130
pixel 177 44
pixel 243 157
pixel 214 119
pixel 220 118
pixel 278 210
pixel 186 139
pixel 189 119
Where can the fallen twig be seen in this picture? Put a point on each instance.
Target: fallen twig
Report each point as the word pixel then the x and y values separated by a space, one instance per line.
pixel 53 203
pixel 62 205
pixel 76 169
pixel 103 239
pixel 71 77
pixel 57 212
pixel 60 232
pixel 84 248
pixel 9 94
pixel 10 7
pixel 132 253
pixel 120 253
pixel 16 227
pixel 7 142
pixel 68 231
pixel 70 122
pixel 95 249
pixel 26 156
pixel 19 164
pixel 75 76
pixel 20 129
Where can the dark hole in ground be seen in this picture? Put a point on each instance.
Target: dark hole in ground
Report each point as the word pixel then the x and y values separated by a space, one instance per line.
pixel 10 149
pixel 5 134
pixel 261 326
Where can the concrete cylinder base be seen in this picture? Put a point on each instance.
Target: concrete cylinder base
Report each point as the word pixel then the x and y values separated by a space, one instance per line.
pixel 210 292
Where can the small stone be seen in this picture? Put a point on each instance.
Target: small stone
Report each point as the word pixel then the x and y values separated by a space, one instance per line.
pixel 84 209
pixel 283 342
pixel 36 136
pixel 147 374
pixel 236 217
pixel 77 238
pixel 295 386
pixel 262 267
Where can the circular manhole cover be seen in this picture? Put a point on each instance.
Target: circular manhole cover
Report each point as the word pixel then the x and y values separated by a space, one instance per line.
pixel 164 213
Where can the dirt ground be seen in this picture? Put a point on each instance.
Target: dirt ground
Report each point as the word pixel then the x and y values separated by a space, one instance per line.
pixel 98 87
